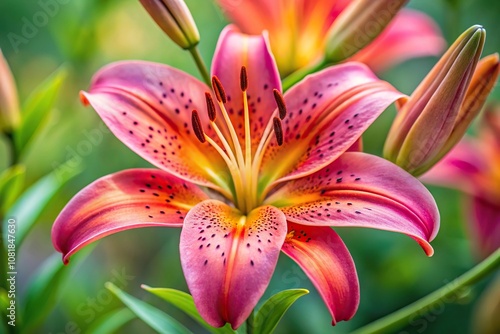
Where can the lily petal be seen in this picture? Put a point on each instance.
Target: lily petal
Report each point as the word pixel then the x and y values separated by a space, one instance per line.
pixel 462 168
pixel 148 107
pixel 328 112
pixel 235 50
pixel 297 28
pixel 362 190
pixel 228 258
pixel 129 199
pixel 485 226
pixel 323 256
pixel 397 43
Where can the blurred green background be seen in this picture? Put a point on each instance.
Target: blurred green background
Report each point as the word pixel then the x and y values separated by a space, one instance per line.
pixel 84 35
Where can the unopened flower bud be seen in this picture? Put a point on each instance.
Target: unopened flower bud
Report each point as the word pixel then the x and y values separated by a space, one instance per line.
pixel 439 111
pixel 175 19
pixel 9 104
pixel 358 25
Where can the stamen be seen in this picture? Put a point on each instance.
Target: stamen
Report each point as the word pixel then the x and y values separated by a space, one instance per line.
pixel 248 138
pixel 210 107
pixel 197 128
pixel 243 79
pixel 220 94
pixel 280 102
pixel 221 98
pixel 278 130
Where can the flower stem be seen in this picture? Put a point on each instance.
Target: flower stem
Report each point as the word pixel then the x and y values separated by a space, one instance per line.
pixel 195 52
pixel 14 156
pixel 301 73
pixel 395 320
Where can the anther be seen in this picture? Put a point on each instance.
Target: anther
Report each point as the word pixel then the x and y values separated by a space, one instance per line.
pixel 198 130
pixel 220 94
pixel 210 107
pixel 243 79
pixel 278 130
pixel 280 102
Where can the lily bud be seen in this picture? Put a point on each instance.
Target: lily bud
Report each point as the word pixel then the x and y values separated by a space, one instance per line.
pixel 358 25
pixel 439 111
pixel 175 19
pixel 9 104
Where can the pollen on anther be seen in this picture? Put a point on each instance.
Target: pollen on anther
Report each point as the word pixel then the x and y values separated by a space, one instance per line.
pixel 220 94
pixel 280 102
pixel 197 128
pixel 210 107
pixel 243 79
pixel 278 130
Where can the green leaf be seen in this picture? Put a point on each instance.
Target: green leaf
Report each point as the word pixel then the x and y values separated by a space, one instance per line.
pixel 11 185
pixel 270 314
pixel 31 203
pixel 184 302
pixel 111 322
pixel 156 319
pixel 45 286
pixel 37 108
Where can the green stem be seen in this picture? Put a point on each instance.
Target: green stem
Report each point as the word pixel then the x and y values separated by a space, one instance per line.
pixel 301 73
pixel 391 322
pixel 200 64
pixel 453 18
pixel 14 156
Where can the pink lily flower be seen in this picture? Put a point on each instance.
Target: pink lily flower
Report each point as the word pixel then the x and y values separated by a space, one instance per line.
pixel 298 32
pixel 273 170
pixel 472 167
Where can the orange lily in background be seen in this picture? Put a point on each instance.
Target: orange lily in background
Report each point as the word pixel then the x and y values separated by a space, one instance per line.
pixel 473 167
pixel 299 31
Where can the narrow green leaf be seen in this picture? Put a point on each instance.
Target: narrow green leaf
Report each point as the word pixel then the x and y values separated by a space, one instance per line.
pixel 29 206
pixel 185 303
pixel 37 108
pixel 156 319
pixel 45 286
pixel 270 314
pixel 11 185
pixel 111 321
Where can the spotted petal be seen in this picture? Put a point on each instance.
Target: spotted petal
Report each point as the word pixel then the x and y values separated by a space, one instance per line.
pixel 328 112
pixel 397 43
pixel 235 50
pixel 129 199
pixel 148 107
pixel 228 259
pixel 322 255
pixel 364 191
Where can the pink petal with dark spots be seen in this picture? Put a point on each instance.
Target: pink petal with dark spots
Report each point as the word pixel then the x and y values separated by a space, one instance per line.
pixel 322 255
pixel 148 107
pixel 328 112
pixel 228 259
pixel 129 199
pixel 361 190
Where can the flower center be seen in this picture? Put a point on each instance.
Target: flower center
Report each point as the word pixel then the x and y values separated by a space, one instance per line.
pixel 243 165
